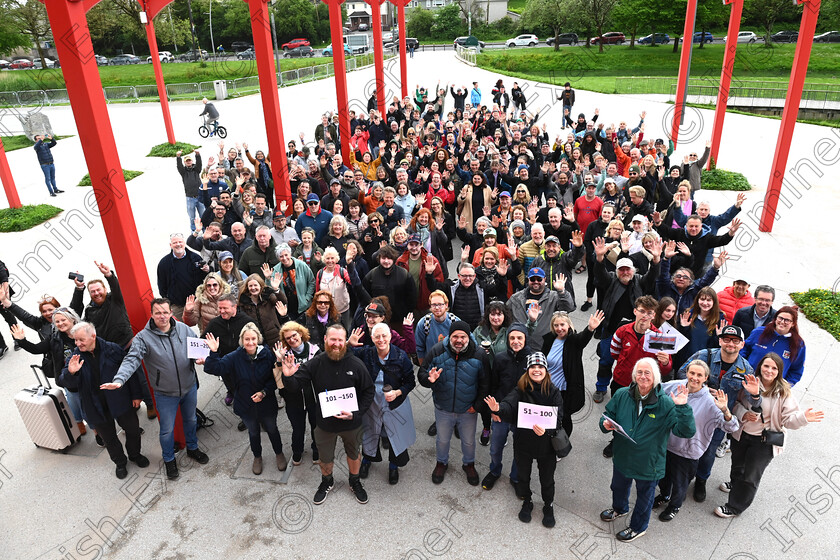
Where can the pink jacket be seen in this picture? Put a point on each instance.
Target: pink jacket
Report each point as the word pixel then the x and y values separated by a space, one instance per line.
pixel 779 415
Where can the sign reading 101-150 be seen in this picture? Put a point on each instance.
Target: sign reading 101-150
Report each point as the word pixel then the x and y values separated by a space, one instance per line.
pixel 535 414
pixel 338 401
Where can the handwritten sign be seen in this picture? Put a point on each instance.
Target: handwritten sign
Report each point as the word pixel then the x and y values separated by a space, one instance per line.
pixel 197 348
pixel 334 402
pixel 535 414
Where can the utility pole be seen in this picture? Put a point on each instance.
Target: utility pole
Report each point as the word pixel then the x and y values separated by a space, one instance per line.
pixel 274 38
pixel 212 42
pixel 192 25
pixel 171 23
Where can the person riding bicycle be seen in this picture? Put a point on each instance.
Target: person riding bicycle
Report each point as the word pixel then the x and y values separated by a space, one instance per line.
pixel 210 114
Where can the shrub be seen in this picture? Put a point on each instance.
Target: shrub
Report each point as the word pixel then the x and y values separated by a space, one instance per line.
pixel 722 180
pixel 822 307
pixel 26 217
pixel 128 175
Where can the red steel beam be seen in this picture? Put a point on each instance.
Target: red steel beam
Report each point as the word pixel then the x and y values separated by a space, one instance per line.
pixel 725 77
pixel 378 57
pixel 8 180
pixel 685 65
pixel 337 34
pixel 161 85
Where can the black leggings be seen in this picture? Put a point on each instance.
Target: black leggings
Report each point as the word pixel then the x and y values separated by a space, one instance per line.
pixel 546 466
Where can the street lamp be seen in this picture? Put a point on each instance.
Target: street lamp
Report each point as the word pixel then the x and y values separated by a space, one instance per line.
pixel 210 14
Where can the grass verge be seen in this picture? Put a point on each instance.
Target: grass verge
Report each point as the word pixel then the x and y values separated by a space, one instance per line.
pixel 26 217
pixel 821 307
pixel 128 175
pixel 722 180
pixel 819 122
pixel 168 150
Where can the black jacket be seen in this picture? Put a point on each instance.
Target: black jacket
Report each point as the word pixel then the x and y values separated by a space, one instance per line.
pixel 191 176
pixel 178 278
pixel 525 441
pixel 227 331
pixel 574 397
pixel 507 368
pixel 744 318
pixel 398 286
pixel 561 264
pixel 56 348
pixel 110 318
pixel 614 289
pixel 44 329
pixel 109 357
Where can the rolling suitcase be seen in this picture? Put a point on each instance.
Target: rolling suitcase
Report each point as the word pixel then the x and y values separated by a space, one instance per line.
pixel 47 415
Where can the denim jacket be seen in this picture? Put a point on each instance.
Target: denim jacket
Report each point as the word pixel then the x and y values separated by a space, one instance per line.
pixel 731 382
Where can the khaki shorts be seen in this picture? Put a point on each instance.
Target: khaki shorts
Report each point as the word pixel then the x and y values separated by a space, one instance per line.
pixel 325 441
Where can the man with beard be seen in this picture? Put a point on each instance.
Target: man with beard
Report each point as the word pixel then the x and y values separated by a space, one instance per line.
pixel 392 281
pixel 107 313
pixel 236 243
pixel 334 371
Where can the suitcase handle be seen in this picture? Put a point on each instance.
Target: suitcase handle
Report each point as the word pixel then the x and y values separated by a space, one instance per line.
pixel 35 369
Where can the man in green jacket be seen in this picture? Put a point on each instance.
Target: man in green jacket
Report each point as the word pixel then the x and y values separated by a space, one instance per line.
pixel 648 416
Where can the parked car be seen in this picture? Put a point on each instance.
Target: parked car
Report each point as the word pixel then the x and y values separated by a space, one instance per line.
pixel 655 38
pixel 121 59
pixel 239 46
pixel 295 43
pixel 329 51
pixel 247 54
pixel 37 64
pixel 463 41
pixel 299 52
pixel 21 63
pixel 363 27
pixel 387 37
pixel 563 39
pixel 788 36
pixel 701 37
pixel 828 37
pixel 611 38
pixel 744 37
pixel 4 64
pixel 522 41
pixel 410 43
pixel 164 56
pixel 192 56
pixel 101 60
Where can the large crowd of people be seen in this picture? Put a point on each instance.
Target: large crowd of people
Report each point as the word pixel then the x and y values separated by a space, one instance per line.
pixel 443 254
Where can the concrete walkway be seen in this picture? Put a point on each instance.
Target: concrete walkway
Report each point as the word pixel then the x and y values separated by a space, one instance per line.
pixel 72 506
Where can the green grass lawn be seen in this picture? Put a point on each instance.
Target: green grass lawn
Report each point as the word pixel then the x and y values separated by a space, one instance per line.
pixel 143 74
pixel 822 307
pixel 128 175
pixel 26 217
pixel 20 141
pixel 517 6
pixel 606 72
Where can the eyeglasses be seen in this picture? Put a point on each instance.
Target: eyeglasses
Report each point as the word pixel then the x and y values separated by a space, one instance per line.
pixel 467 276
pixel 784 320
pixel 212 285
pixel 437 305
pixel 764 300
pixel 312 203
pixel 322 303
pixel 632 174
pixel 681 277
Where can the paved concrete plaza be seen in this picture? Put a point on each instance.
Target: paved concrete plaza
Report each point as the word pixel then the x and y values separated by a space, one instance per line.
pixel 71 506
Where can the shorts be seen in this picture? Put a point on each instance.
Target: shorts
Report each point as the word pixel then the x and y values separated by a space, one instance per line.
pixel 325 441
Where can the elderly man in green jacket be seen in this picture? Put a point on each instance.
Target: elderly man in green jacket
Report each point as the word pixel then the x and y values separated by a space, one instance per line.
pixel 645 417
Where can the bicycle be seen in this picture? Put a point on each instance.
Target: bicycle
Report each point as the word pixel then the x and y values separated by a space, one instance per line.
pixel 204 130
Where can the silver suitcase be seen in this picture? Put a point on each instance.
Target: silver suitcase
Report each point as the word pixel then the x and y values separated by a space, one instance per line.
pixel 47 416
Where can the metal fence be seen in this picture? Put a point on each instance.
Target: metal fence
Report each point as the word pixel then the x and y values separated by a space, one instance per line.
pixel 766 97
pixel 466 54
pixel 188 91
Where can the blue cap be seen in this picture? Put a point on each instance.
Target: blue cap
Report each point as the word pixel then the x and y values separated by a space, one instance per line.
pixel 536 271
pixel 313 196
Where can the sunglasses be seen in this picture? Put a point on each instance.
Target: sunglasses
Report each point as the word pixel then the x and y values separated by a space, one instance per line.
pixel 313 203
pixel 322 303
pixel 535 279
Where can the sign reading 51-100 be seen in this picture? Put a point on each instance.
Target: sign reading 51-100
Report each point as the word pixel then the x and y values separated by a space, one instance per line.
pixel 535 414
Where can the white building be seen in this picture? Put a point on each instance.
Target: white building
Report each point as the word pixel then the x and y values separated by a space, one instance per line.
pixel 492 10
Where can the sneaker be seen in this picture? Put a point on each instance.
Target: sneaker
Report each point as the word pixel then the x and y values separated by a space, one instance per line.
pixel 323 489
pixel 432 431
pixel 608 450
pixel 598 397
pixel 53 194
pixel 241 426
pixel 525 512
pixel 358 490
pixel 548 516
pixel 472 474
pixel 628 535
pixel 141 461
pixel 489 481
pixel 171 469
pixel 725 511
pixel 256 468
pixel 282 462
pixel 198 455
pixel 669 513
pixel 722 448
pixel 296 458
pixel 229 400
pixel 586 306
pixel 725 487
pixel 659 500
pixel 364 469
pixel 611 515
pixel 699 490
pixel 393 476
pixel 122 471
pixel 485 438
pixel 59 191
pixel 99 441
pixel 316 459
pixel 439 472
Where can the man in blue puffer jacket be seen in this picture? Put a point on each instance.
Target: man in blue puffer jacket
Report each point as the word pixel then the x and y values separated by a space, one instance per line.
pixel 457 370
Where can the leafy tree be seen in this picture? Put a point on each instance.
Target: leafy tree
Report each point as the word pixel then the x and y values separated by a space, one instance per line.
pixel 419 23
pixel 294 18
pixel 634 16
pixel 30 17
pixel 448 22
pixel 710 13
pixel 600 11
pixel 551 15
pixel 11 37
pixel 766 12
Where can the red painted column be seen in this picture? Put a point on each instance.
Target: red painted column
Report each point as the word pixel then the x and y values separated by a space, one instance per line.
pixel 725 76
pixel 161 86
pixel 797 81
pixel 403 68
pixel 378 57
pixel 267 71
pixel 685 64
pixel 340 68
pixel 8 181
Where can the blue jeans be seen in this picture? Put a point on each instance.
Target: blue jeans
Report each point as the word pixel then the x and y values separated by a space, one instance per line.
pixel 74 401
pixel 49 176
pixel 606 360
pixel 707 461
pixel 645 490
pixel 167 408
pixel 498 437
pixel 268 422
pixel 446 422
pixel 194 208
